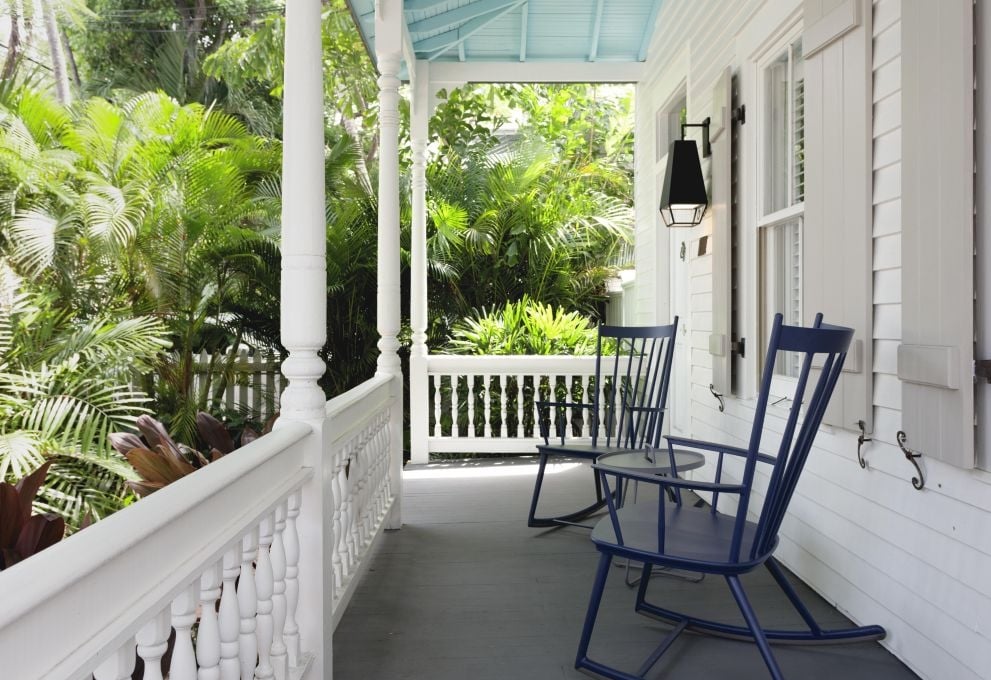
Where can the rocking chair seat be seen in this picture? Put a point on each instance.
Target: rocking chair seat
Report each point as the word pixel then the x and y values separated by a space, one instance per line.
pixel 694 538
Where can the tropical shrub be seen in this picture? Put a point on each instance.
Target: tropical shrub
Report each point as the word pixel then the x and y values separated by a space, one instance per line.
pixel 524 327
pixel 159 460
pixel 64 386
pixel 22 533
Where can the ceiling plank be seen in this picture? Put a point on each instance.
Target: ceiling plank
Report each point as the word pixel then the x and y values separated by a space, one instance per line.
pixel 524 15
pixel 459 15
pixel 439 44
pixel 648 30
pixel 579 71
pixel 593 52
pixel 420 5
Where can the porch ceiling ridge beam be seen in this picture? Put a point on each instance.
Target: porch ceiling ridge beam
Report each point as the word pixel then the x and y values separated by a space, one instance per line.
pixel 524 15
pixel 648 30
pixel 439 44
pixel 459 15
pixel 536 72
pixel 593 51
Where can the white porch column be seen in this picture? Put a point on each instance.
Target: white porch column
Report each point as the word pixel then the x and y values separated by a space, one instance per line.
pixel 419 388
pixel 388 52
pixel 304 311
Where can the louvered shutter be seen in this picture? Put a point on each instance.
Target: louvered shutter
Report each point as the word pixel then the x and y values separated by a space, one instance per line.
pixel 935 359
pixel 721 238
pixel 836 235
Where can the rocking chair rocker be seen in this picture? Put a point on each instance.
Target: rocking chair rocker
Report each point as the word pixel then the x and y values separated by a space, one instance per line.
pixel 667 534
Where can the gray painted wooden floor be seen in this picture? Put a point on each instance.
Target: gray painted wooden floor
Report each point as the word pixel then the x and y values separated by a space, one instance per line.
pixel 465 591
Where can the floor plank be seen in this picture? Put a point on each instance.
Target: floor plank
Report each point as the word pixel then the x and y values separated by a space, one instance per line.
pixel 466 591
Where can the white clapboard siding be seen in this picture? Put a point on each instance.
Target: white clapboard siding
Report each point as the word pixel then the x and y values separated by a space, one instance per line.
pixel 914 562
pixel 935 361
pixel 837 277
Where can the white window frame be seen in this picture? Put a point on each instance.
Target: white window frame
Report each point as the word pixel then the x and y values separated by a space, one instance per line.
pixel 781 385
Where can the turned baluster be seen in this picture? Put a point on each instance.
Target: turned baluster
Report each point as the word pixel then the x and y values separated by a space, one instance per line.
pixel 230 617
pixel 279 653
pixel 292 580
pixel 520 380
pixel 487 404
pixel 183 665
pixel 455 430
pixel 470 384
pixel 208 635
pixel 119 666
pixel 264 586
pixel 247 603
pixel 337 502
pixel 437 382
pixel 152 642
pixel 503 381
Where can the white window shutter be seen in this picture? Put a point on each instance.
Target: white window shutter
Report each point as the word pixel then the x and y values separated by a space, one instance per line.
pixel 720 241
pixel 935 359
pixel 837 233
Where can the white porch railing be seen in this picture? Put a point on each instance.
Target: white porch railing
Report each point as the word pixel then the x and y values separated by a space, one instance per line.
pixel 222 549
pixel 469 404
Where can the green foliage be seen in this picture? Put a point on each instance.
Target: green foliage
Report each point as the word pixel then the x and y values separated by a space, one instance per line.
pixel 64 386
pixel 524 327
pixel 525 222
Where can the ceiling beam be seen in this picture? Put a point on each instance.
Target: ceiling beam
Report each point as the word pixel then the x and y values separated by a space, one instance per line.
pixel 459 15
pixel 593 52
pixel 536 72
pixel 439 44
pixel 648 30
pixel 524 15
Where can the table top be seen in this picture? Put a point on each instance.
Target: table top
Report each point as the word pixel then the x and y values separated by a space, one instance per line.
pixel 660 465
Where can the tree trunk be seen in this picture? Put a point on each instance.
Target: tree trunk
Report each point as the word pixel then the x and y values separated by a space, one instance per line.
pixel 13 42
pixel 59 69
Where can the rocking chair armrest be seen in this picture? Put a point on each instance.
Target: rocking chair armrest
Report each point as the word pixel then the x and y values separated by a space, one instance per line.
pixel 667 482
pixel 682 442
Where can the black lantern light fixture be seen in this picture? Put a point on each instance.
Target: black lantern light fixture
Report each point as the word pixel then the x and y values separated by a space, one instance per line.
pixel 683 198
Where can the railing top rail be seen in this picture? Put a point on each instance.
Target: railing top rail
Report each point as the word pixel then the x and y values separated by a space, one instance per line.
pixel 528 364
pixel 349 412
pixel 86 594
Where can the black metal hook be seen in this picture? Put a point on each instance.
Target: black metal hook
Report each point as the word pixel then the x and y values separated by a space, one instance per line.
pixel 718 396
pixel 860 443
pixel 917 482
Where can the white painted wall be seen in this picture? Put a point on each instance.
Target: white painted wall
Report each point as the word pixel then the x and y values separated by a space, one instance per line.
pixel 918 563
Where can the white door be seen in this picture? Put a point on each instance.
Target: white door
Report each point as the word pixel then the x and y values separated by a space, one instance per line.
pixel 679 396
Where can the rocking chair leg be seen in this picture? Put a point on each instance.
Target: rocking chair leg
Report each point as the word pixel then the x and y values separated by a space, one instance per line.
pixel 593 609
pixel 751 618
pixel 782 580
pixel 536 490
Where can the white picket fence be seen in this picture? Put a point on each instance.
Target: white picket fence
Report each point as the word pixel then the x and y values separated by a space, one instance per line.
pixel 256 385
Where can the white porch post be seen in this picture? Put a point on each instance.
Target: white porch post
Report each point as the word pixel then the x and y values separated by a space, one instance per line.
pixel 304 311
pixel 388 52
pixel 419 388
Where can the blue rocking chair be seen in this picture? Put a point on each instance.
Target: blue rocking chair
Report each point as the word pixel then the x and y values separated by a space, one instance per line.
pixel 632 367
pixel 667 534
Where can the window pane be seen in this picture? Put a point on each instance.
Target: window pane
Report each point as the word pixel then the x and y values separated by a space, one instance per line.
pixel 781 284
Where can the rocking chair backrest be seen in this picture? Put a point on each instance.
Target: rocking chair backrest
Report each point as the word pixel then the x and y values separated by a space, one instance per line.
pixel 632 371
pixel 821 339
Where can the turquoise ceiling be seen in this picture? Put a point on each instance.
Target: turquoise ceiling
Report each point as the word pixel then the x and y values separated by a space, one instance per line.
pixel 522 31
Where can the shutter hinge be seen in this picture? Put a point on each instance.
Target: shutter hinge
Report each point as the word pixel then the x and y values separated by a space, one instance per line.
pixel 982 369
pixel 739 347
pixel 740 114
